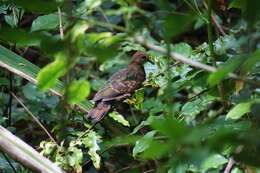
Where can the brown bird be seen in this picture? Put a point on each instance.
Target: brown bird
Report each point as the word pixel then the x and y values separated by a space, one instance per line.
pixel 120 85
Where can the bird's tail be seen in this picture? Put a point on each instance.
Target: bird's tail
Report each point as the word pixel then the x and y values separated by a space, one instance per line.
pixel 99 111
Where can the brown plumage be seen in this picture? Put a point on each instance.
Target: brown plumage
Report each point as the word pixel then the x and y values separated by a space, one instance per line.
pixel 120 85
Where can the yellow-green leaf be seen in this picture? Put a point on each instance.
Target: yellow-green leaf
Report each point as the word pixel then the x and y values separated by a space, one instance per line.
pixel 48 76
pixel 78 91
pixel 239 110
pixel 119 118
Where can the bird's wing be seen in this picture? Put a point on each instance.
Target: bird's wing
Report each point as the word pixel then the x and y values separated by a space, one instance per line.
pixel 106 92
pixel 119 75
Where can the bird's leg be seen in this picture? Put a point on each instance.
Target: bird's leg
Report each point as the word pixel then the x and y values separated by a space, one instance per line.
pixel 117 97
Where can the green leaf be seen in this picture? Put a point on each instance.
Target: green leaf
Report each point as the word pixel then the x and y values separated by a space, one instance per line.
pixel 139 94
pixel 30 91
pixel 103 45
pixel 30 71
pixel 236 170
pixel 20 37
pixel 239 110
pixel 119 118
pixel 251 62
pixel 45 22
pixel 91 4
pixel 241 4
pixel 214 161
pixel 91 142
pixel 143 143
pixel 49 75
pixel 223 71
pixel 182 48
pixel 78 91
pixel 148 121
pixel 171 127
pixel 74 156
pixel 156 150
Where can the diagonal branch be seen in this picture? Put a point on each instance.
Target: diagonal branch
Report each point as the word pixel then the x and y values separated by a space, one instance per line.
pixel 35 118
pixel 188 61
pixel 25 154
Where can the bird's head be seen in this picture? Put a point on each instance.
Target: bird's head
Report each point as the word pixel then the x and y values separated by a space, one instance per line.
pixel 140 58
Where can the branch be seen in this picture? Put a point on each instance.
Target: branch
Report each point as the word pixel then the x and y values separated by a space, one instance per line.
pixel 60 24
pixel 229 165
pixel 25 154
pixel 190 62
pixel 35 118
pixel 212 52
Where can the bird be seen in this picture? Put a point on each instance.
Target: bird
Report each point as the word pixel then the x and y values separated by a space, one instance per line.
pixel 119 86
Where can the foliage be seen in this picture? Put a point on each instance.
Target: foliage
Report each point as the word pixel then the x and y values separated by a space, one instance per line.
pixel 183 119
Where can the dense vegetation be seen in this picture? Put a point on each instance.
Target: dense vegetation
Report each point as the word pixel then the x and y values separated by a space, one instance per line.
pixel 198 110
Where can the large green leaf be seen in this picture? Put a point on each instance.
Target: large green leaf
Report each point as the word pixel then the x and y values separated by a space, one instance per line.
pixel 224 70
pixel 214 161
pixel 143 143
pixel 45 22
pixel 29 71
pixel 240 109
pixel 78 91
pixel 49 75
pixel 119 118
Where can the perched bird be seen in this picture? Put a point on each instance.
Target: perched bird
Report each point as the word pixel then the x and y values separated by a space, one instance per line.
pixel 120 85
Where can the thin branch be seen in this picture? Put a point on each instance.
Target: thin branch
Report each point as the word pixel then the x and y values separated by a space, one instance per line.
pixel 106 25
pixel 130 167
pixel 86 132
pixel 188 61
pixel 105 17
pixel 229 165
pixel 212 52
pixel 60 24
pixel 215 22
pixel 35 118
pixel 151 170
pixel 197 95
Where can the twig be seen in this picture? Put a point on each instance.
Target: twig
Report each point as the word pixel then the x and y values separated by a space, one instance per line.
pixel 188 61
pixel 215 22
pixel 162 72
pixel 212 52
pixel 196 95
pixel 149 171
pixel 107 25
pixel 105 17
pixel 92 127
pixel 60 24
pixel 130 166
pixel 35 118
pixel 229 165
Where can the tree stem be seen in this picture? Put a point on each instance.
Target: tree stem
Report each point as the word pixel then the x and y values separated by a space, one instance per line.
pixel 212 52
